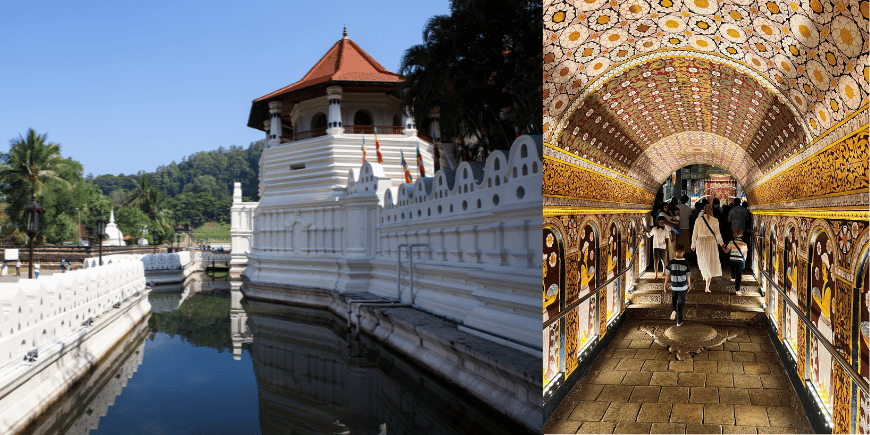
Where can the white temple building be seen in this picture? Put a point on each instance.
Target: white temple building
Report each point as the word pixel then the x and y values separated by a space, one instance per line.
pixel 457 248
pixel 113 233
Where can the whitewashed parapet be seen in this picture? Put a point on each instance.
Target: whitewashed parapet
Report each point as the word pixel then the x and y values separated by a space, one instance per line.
pixel 502 182
pixel 173 261
pixel 34 313
pixel 207 257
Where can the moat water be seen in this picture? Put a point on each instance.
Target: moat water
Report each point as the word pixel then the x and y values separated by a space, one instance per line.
pixel 208 362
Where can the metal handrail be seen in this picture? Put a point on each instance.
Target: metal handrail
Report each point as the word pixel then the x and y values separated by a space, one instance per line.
pixel 824 341
pixel 595 292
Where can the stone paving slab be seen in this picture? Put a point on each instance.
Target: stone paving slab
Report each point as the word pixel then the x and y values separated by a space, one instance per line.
pixel 634 388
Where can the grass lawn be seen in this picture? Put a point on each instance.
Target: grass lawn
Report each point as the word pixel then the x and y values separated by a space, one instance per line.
pixel 213 231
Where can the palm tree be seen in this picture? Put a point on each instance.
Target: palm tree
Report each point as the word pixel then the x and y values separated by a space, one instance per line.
pixel 31 160
pixel 150 200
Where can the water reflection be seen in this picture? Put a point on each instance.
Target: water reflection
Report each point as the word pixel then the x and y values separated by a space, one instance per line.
pixel 313 378
pixel 79 410
pixel 294 370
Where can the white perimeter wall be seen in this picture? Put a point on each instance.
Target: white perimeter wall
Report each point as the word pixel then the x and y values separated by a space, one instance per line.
pixel 480 224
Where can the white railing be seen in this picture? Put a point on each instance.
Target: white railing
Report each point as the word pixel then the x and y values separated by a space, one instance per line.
pixel 36 312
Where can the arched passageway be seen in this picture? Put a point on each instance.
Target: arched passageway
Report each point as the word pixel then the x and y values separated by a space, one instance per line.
pixel 775 93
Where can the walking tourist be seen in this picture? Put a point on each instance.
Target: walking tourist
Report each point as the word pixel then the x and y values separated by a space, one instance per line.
pixel 17 267
pixel 670 222
pixel 36 270
pixel 738 216
pixel 685 214
pixel 738 251
pixel 5 270
pixel 659 243
pixel 677 271
pixel 705 242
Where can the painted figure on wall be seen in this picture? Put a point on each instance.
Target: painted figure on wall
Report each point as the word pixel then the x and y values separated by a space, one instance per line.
pixel 791 284
pixel 641 250
pixel 629 253
pixel 553 293
pixel 586 284
pixel 821 289
pixel 551 275
pixel 864 350
pixel 775 303
pixel 612 262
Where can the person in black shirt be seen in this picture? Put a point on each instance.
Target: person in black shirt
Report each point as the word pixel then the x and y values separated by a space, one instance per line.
pixel 681 281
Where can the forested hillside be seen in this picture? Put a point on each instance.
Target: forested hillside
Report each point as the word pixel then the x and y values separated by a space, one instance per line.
pixel 200 188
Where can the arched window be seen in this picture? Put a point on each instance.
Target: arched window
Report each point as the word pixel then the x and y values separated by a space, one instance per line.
pixel 362 122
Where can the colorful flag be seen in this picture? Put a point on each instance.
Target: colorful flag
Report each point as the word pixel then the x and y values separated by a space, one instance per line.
pixel 420 167
pixel 437 158
pixel 405 168
pixel 364 149
pixel 378 149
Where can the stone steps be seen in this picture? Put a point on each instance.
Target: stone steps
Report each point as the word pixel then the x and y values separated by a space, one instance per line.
pixel 721 305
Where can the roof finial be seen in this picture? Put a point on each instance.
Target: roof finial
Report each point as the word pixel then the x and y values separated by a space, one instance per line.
pixel 344 32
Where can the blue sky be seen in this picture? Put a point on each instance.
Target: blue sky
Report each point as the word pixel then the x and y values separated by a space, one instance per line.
pixel 127 86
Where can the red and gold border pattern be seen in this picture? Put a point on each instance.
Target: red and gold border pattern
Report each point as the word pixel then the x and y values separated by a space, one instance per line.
pixel 836 170
pixel 567 180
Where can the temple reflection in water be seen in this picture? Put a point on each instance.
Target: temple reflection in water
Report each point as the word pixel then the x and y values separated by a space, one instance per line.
pixel 305 372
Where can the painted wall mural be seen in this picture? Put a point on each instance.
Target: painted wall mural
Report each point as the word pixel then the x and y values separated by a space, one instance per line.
pixel 790 253
pixel 863 363
pixel 839 169
pixel 818 272
pixel 552 303
pixel 566 180
pixel 613 254
pixel 814 52
pixel 587 311
pixel 821 292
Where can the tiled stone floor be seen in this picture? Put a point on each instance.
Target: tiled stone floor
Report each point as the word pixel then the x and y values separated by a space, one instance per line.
pixel 636 386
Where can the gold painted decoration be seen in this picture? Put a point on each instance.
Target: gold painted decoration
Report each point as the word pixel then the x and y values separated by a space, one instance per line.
pixel 571 336
pixel 840 169
pixel 566 180
pixel 814 52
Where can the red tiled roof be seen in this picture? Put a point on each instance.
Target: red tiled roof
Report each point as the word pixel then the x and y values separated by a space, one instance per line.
pixel 344 62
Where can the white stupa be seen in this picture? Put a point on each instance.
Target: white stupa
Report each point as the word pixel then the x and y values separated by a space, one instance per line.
pixel 113 234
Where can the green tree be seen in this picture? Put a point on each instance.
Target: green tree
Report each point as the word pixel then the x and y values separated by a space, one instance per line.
pixel 481 65
pixel 31 161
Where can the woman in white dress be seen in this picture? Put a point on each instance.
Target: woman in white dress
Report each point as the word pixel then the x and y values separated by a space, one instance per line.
pixel 706 242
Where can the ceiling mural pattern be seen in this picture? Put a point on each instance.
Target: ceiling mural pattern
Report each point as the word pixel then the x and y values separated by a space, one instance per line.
pixel 673 152
pixel 814 51
pixel 617 123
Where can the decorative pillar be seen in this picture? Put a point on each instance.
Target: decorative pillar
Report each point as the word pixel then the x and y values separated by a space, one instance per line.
pixel 435 125
pixel 333 121
pixel 267 128
pixel 410 125
pixel 275 132
pixel 237 192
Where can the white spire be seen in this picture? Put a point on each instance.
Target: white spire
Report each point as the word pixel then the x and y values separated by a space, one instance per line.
pixel 112 216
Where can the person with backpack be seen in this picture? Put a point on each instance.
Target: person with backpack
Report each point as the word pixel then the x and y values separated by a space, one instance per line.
pixel 737 258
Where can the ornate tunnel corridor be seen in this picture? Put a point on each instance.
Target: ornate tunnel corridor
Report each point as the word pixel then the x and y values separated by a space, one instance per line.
pixel 775 93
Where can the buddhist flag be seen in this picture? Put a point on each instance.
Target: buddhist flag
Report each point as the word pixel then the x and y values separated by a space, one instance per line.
pixel 364 149
pixel 437 158
pixel 420 167
pixel 405 168
pixel 378 149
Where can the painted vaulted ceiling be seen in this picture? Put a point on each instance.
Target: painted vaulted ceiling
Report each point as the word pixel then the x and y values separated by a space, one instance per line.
pixel 742 84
